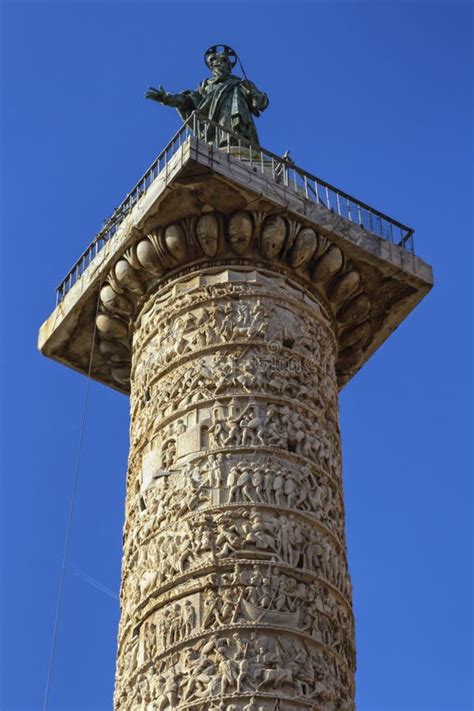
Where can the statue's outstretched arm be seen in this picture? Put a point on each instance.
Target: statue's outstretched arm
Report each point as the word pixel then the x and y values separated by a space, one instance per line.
pixel 180 101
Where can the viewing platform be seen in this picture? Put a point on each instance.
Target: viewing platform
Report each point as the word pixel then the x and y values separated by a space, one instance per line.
pixel 281 170
pixel 205 167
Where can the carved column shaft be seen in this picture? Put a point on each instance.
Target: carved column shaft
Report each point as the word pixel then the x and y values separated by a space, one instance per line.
pixel 235 590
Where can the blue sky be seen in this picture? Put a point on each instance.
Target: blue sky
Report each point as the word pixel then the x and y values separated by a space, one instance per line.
pixel 373 97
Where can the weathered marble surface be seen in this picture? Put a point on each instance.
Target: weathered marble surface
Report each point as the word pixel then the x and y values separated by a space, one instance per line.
pixel 235 590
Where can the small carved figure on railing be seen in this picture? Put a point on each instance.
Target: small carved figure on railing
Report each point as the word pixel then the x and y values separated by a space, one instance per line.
pixel 225 99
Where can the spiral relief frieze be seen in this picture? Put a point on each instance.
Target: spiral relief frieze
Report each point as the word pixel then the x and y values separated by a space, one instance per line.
pixel 235 589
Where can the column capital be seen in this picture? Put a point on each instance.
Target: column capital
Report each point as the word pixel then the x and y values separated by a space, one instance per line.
pixel 212 210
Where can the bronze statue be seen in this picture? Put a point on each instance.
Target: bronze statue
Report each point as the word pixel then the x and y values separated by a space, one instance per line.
pixel 225 99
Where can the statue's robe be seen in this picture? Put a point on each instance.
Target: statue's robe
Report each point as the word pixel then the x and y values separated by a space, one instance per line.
pixel 230 102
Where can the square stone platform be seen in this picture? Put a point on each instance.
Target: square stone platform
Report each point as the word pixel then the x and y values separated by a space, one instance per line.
pixel 197 178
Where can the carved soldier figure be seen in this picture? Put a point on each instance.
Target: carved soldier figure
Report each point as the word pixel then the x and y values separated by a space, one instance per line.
pixel 170 688
pixel 257 482
pixel 217 432
pixel 226 671
pixel 243 668
pixel 227 324
pixel 259 322
pixel 216 464
pixel 232 483
pixel 189 619
pixel 227 606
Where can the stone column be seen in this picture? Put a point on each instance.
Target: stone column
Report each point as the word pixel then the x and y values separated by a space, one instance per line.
pixel 235 591
pixel 233 304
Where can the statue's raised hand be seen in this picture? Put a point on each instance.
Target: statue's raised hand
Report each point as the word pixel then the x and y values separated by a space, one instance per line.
pixel 157 94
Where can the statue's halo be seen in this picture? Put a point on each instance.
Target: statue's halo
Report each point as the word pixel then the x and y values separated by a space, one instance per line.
pixel 230 53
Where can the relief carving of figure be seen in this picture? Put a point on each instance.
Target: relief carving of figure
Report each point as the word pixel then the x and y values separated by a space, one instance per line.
pixel 234 562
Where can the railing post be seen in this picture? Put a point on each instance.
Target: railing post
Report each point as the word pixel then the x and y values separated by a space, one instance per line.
pixel 316 190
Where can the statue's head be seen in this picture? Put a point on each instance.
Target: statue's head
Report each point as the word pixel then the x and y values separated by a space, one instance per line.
pixel 220 59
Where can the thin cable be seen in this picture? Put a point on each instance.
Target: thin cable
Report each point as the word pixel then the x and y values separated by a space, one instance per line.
pixel 242 68
pixel 71 512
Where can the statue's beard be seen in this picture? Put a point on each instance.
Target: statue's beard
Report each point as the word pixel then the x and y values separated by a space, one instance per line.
pixel 220 72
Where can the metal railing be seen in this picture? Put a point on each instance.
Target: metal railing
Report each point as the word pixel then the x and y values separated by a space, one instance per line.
pixel 280 169
pixel 111 225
